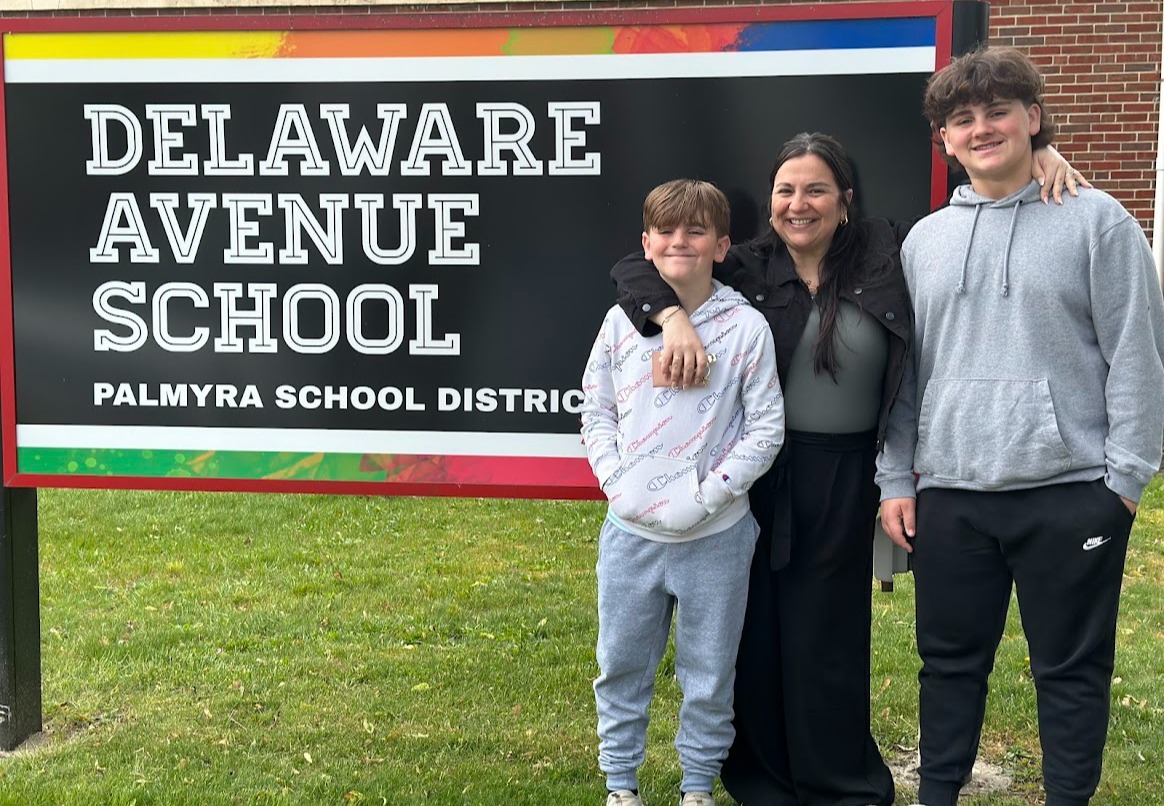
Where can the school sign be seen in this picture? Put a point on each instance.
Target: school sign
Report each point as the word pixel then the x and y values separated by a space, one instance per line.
pixel 357 254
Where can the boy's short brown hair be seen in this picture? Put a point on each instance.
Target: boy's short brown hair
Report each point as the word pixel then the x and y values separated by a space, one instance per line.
pixel 683 202
pixel 981 77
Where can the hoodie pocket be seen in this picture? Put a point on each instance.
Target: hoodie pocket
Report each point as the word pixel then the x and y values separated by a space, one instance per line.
pixel 992 433
pixel 657 493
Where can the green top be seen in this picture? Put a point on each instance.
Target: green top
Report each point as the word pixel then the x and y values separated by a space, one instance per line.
pixel 850 404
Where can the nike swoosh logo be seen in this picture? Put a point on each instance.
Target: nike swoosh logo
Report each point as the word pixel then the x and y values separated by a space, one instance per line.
pixel 1095 542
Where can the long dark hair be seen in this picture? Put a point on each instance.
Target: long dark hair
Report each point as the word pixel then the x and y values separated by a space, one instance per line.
pixel 848 244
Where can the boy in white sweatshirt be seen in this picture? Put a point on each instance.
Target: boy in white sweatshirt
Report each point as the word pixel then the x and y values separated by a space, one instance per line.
pixel 676 467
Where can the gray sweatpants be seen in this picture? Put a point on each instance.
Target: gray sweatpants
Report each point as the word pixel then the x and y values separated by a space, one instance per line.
pixel 640 583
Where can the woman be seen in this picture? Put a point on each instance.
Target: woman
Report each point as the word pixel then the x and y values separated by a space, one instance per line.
pixel 830 284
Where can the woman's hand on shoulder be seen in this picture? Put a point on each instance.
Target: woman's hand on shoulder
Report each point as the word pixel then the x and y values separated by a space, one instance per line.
pixel 1049 164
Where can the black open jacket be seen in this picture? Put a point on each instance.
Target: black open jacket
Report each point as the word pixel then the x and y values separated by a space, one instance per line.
pixel 769 281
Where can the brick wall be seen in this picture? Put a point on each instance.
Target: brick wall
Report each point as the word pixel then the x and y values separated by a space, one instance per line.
pixel 1102 62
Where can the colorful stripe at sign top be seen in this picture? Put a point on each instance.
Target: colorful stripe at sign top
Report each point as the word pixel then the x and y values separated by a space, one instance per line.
pixel 768 48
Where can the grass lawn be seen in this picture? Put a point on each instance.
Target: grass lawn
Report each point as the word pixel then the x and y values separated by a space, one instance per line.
pixel 221 648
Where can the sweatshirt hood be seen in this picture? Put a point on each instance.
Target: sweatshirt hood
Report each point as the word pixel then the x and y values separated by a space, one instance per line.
pixel 723 299
pixel 965 196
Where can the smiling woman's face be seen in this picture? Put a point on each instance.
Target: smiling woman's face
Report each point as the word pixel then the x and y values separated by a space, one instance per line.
pixel 807 206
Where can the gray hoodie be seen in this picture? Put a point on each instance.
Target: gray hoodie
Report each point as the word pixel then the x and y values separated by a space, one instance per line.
pixel 677 465
pixel 1038 349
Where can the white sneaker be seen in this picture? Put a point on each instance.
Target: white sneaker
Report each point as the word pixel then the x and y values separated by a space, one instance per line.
pixel 697 799
pixel 623 797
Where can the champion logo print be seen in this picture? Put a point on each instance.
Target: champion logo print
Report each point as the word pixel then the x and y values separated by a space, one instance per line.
pixel 1095 542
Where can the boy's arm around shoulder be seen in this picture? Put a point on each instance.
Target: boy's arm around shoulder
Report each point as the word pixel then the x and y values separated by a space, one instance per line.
pixel 762 434
pixel 599 413
pixel 1128 312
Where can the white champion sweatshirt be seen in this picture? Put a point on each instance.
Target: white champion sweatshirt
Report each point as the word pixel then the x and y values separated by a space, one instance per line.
pixel 677 465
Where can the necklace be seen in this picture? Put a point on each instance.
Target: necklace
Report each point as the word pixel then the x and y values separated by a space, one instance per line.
pixel 808 265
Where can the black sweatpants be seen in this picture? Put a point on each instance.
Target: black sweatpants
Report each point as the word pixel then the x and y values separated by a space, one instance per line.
pixel 1063 547
pixel 802 673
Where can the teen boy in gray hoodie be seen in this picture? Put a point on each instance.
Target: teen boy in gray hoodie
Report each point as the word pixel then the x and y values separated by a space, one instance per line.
pixel 1033 422
pixel 676 466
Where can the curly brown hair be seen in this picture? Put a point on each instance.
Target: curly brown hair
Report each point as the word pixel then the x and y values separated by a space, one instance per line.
pixel 981 77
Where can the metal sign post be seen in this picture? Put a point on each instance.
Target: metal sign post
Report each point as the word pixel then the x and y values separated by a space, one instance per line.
pixel 20 694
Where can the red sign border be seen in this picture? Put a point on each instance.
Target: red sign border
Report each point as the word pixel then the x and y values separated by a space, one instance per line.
pixel 940 10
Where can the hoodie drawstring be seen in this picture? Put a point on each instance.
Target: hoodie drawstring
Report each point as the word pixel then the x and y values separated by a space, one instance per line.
pixel 1006 254
pixel 966 260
